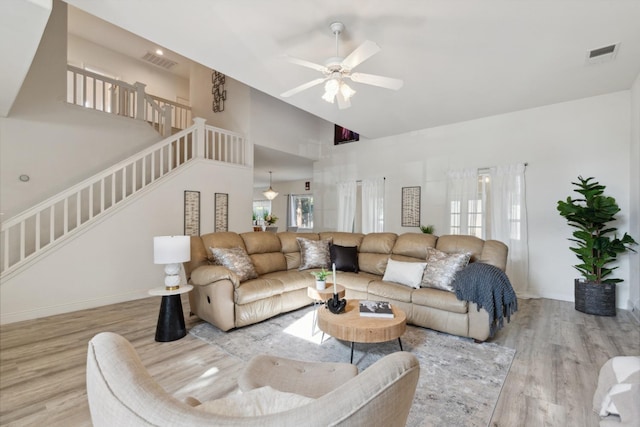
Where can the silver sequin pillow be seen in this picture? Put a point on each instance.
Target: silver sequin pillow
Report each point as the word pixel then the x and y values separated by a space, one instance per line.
pixel 313 253
pixel 442 268
pixel 236 260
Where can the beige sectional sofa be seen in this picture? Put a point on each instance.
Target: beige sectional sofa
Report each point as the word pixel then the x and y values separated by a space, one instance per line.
pixel 220 298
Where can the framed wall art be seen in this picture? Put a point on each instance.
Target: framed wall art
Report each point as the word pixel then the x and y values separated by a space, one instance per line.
pixel 222 212
pixel 191 213
pixel 411 206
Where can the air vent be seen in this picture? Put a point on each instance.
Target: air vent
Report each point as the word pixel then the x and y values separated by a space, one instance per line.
pixel 159 61
pixel 602 54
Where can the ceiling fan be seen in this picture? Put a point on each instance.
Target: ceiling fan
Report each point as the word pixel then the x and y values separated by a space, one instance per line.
pixel 337 69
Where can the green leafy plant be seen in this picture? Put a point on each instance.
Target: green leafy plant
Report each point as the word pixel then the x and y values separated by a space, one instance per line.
pixel 320 275
pixel 427 229
pixel 597 244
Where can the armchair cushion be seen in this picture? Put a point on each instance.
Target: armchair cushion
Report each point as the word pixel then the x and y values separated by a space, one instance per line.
pixel 260 401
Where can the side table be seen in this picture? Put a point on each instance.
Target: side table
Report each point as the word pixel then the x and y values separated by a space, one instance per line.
pixel 171 318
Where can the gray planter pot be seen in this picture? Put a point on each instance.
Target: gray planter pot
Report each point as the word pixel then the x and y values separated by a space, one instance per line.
pixel 595 298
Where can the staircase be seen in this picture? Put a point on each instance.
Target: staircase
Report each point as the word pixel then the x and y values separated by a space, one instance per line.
pixel 34 232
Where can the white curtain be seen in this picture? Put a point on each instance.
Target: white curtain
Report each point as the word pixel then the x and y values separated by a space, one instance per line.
pixel 373 205
pixel 462 186
pixel 346 205
pixel 509 220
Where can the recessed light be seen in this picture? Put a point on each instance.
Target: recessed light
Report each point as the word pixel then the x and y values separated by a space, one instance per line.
pixel 24 178
pixel 159 52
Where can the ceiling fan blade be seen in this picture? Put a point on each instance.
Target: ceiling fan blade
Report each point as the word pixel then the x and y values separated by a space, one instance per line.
pixel 342 101
pixel 306 63
pixel 381 81
pixel 302 87
pixel 363 52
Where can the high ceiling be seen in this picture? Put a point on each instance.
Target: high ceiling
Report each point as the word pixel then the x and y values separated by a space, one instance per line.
pixel 459 60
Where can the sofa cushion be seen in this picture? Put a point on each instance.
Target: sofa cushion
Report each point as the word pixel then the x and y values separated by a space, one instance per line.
pixel 342 238
pixel 414 245
pixel 442 268
pixel 257 289
pixel 405 273
pixel 344 257
pixel 313 253
pixel 269 262
pixel 236 260
pixel 456 243
pixel 358 282
pixel 389 290
pixel 223 239
pixel 437 298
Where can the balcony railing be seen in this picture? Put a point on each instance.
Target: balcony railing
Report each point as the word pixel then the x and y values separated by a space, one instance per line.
pixel 101 93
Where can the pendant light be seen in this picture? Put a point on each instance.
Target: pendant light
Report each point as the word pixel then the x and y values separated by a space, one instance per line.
pixel 270 193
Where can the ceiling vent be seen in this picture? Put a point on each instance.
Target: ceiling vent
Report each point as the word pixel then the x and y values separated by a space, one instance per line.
pixel 602 54
pixel 159 61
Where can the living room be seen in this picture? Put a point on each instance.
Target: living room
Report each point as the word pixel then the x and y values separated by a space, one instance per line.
pixel 557 141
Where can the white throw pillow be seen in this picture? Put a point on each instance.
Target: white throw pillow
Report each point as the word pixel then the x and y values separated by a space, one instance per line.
pixel 259 401
pixel 405 273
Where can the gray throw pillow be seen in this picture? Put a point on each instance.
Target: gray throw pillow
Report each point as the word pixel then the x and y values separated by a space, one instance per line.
pixel 236 260
pixel 442 268
pixel 313 253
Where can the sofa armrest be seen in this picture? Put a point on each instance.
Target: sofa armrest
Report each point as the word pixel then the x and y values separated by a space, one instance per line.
pixel 207 274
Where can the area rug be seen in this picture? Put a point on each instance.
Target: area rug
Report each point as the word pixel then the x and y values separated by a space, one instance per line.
pixel 460 381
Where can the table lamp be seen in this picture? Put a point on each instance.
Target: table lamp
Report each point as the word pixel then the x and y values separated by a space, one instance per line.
pixel 171 251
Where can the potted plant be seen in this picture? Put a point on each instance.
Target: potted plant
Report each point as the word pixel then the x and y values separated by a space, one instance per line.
pixel 596 245
pixel 321 278
pixel 269 219
pixel 427 229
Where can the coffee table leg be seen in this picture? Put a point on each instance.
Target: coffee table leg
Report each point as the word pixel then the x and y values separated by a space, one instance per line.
pixel 400 342
pixel 351 352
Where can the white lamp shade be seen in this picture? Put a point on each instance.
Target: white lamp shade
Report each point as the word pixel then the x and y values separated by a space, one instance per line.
pixel 171 249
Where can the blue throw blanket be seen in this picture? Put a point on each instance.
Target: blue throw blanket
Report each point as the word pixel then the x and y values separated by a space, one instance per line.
pixel 490 288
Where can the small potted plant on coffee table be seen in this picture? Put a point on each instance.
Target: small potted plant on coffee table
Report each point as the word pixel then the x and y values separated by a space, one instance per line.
pixel 597 246
pixel 321 278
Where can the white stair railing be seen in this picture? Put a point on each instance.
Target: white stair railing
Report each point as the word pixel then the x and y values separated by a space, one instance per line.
pixel 101 93
pixel 42 227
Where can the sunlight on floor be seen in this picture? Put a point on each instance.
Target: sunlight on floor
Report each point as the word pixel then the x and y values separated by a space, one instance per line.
pixel 301 328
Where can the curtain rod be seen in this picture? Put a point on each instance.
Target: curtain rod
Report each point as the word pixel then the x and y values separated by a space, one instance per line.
pixel 384 178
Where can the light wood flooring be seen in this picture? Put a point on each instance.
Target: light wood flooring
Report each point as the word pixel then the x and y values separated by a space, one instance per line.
pixel 551 381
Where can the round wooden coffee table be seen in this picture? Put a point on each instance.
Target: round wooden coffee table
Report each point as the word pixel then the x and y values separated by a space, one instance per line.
pixel 350 326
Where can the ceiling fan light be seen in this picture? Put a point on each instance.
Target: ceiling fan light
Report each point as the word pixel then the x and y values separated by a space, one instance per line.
pixel 346 91
pixel 331 90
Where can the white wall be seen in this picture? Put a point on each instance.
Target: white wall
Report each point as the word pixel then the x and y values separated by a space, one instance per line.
pixel 57 144
pixel 634 226
pixel 283 127
pixel 160 82
pixel 587 137
pixel 235 116
pixel 113 260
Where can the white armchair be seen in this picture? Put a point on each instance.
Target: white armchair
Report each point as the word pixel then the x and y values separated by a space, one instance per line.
pixel 121 392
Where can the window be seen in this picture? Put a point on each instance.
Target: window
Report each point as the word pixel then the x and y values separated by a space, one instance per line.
pixel 476 214
pixel 300 212
pixel 260 208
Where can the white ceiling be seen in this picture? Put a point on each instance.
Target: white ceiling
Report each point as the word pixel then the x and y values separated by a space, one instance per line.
pixel 460 60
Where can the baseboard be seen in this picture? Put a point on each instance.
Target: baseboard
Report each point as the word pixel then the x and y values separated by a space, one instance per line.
pixel 37 313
